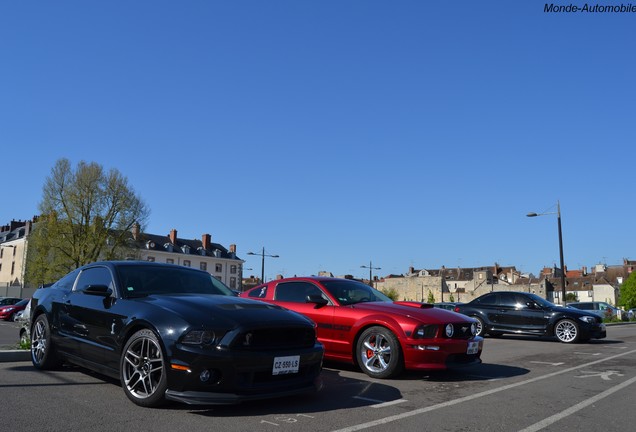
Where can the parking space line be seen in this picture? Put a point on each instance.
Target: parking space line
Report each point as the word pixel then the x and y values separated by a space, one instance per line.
pixel 555 418
pixel 475 396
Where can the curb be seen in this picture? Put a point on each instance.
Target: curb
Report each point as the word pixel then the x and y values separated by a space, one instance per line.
pixel 15 356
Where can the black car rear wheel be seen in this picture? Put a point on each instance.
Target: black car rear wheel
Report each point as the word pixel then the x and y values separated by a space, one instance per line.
pixel 567 331
pixel 143 370
pixel 43 355
pixel 378 353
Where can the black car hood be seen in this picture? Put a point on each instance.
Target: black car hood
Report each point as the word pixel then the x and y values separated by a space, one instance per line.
pixel 572 311
pixel 202 309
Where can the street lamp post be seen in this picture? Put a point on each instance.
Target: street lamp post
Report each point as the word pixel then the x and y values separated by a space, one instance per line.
pixel 371 268
pixel 558 213
pixel 263 255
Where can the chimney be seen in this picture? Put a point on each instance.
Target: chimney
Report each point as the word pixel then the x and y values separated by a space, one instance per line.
pixel 206 240
pixel 233 248
pixel 411 270
pixel 136 228
pixel 27 228
pixel 584 271
pixel 173 236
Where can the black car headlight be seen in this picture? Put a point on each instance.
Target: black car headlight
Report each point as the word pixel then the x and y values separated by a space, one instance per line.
pixel 588 319
pixel 425 332
pixel 199 337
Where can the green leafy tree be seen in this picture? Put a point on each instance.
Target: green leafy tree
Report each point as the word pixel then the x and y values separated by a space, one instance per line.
pixel 87 215
pixel 628 292
pixel 452 298
pixel 431 297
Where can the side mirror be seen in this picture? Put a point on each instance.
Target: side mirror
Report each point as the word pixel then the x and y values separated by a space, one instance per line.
pixel 317 299
pixel 98 290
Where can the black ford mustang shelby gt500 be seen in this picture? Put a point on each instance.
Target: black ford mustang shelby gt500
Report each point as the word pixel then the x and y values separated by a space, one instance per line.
pixel 173 333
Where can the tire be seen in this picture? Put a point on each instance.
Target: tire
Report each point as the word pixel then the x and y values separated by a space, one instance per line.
pixel 142 370
pixel 43 353
pixel 378 353
pixel 567 331
pixel 480 326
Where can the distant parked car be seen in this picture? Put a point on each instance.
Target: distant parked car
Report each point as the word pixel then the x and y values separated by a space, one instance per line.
pixel 502 312
pixel 602 309
pixel 8 312
pixel 173 333
pixel 6 301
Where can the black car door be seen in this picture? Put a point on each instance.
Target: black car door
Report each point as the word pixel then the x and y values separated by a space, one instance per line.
pixel 92 310
pixel 517 312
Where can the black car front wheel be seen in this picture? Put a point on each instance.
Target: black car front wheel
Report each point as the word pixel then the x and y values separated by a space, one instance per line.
pixel 378 353
pixel 479 326
pixel 567 331
pixel 43 354
pixel 143 370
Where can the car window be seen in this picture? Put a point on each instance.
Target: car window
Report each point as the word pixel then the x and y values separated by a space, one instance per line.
pixel 584 306
pixel 487 300
pixel 295 291
pixel 94 276
pixel 508 299
pixel 66 283
pixel 258 293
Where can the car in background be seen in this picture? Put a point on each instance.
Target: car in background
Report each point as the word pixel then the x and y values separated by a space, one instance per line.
pixel 500 312
pixel 173 333
pixel 6 301
pixel 447 305
pixel 8 312
pixel 358 324
pixel 602 309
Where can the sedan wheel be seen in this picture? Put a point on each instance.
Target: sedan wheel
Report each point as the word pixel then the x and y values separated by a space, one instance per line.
pixel 43 355
pixel 479 326
pixel 378 353
pixel 142 370
pixel 567 331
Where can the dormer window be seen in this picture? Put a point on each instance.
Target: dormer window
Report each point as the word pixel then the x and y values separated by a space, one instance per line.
pixel 201 251
pixel 217 253
pixel 168 247
pixel 185 249
pixel 150 244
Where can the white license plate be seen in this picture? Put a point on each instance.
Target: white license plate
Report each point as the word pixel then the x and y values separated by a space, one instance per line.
pixel 473 348
pixel 286 365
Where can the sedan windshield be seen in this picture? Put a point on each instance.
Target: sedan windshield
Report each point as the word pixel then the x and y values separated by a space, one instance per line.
pixel 138 281
pixel 350 292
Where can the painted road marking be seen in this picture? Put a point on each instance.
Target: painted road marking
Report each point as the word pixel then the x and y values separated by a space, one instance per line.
pixel 379 403
pixel 555 418
pixel 479 395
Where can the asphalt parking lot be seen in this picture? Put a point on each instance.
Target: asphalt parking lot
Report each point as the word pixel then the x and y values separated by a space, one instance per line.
pixel 524 384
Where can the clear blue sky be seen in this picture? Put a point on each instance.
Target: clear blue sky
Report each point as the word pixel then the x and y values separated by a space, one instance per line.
pixel 335 133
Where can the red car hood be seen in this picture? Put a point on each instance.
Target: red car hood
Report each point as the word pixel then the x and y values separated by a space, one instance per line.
pixel 420 311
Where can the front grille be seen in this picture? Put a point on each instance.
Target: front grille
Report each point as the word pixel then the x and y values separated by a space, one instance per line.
pixel 462 331
pixel 264 339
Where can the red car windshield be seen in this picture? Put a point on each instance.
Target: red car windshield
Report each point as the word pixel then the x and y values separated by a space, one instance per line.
pixel 350 292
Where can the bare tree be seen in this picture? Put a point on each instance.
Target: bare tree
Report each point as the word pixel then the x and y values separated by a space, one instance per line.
pixel 87 215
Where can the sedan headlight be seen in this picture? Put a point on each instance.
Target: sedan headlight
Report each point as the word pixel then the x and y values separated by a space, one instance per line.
pixel 199 337
pixel 588 319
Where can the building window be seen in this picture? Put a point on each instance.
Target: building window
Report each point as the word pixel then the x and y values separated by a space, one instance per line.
pixel 186 263
pixel 233 269
pixel 203 266
pixel 170 261
pixel 219 268
pixel 151 259
pixel 233 282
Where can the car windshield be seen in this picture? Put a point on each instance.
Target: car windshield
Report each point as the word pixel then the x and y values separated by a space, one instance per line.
pixel 139 281
pixel 541 301
pixel 350 292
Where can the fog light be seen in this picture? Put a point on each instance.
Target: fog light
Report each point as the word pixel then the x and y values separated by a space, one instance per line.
pixel 205 376
pixel 427 347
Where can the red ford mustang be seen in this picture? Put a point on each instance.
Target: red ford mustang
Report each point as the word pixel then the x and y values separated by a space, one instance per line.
pixel 358 324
